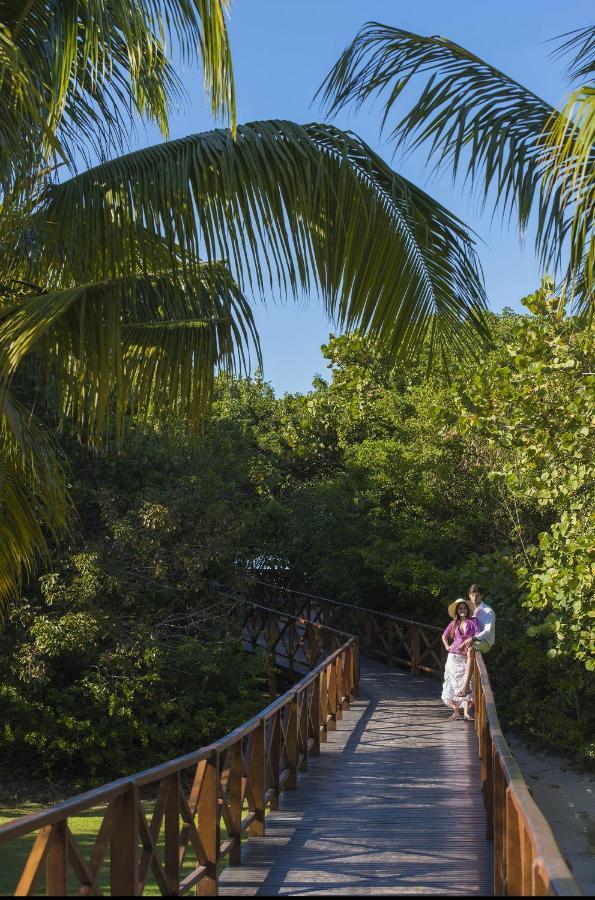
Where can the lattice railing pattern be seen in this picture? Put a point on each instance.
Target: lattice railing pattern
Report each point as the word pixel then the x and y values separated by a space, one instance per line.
pixel 171 826
pixel 527 860
pixel 390 639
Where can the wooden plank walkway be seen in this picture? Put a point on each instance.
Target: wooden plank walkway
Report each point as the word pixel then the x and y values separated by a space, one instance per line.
pixel 391 806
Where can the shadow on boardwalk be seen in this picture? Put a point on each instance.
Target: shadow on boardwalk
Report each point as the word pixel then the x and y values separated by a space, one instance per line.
pixel 392 805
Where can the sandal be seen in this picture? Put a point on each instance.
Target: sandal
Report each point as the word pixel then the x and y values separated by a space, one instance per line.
pixel 455 718
pixel 469 718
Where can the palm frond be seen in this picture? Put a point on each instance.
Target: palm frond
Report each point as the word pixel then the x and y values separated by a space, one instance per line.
pixel 570 178
pixel 144 345
pixel 472 117
pixel 292 208
pixel 75 71
pixel 35 506
pixel 580 46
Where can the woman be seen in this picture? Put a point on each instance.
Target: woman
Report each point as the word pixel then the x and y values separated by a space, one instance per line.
pixel 462 628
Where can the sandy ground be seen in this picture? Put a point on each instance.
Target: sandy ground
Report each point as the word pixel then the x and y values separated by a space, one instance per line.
pixel 567 799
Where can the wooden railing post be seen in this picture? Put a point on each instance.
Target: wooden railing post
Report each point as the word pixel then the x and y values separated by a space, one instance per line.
pixel 257 782
pixel 484 737
pixel 526 859
pixel 315 716
pixel 324 705
pixel 292 746
pixel 476 693
pixel 124 854
pixel 414 648
pixel 275 759
pixel 514 872
pixel 303 730
pixel 356 667
pixel 489 795
pixel 332 696
pixel 208 824
pixel 172 835
pixel 347 677
pixel 339 671
pixel 57 861
pixel 235 803
pixel 499 827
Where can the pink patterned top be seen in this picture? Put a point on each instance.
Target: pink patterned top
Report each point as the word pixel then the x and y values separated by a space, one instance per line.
pixel 471 628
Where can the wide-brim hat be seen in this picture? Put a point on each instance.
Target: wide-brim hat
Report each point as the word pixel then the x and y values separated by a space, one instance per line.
pixel 452 609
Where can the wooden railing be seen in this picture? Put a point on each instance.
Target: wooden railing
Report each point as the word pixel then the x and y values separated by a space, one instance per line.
pixel 229 783
pixel 294 643
pixel 233 780
pixel 390 639
pixel 527 859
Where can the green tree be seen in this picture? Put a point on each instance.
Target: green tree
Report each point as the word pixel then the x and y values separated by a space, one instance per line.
pixel 531 159
pixel 537 411
pixel 128 282
pixel 120 656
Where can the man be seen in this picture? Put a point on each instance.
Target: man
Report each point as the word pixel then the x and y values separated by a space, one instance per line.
pixel 484 639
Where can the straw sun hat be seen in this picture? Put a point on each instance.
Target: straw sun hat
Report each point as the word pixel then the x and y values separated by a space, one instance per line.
pixel 452 609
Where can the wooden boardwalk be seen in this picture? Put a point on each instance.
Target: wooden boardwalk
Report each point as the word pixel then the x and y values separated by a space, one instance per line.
pixel 391 806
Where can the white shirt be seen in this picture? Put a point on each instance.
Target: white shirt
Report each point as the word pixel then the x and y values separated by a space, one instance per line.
pixel 486 617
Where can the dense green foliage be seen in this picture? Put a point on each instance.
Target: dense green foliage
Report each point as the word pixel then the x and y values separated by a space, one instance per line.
pixel 132 283
pixel 117 659
pixel 382 487
pixel 536 411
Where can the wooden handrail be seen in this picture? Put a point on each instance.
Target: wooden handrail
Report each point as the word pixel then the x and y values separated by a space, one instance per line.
pixel 231 780
pixel 391 639
pixel 237 776
pixel 527 859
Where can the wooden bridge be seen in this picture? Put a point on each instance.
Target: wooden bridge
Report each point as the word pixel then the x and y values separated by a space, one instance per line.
pixel 349 782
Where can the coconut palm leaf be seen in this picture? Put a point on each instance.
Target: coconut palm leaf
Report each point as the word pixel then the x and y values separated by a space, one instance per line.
pixel 580 46
pixel 291 208
pixel 35 506
pixel 471 116
pixel 283 207
pixel 132 345
pixel 570 177
pixel 75 71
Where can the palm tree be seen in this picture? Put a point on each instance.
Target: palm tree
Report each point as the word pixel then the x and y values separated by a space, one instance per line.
pixel 505 140
pixel 71 74
pixel 127 283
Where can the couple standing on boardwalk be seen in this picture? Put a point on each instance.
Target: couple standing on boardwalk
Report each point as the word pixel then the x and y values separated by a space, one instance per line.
pixel 472 630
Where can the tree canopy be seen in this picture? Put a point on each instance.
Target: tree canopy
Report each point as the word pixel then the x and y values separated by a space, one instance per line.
pixel 131 283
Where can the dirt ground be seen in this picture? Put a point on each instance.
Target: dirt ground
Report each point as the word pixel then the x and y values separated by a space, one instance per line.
pixel 566 797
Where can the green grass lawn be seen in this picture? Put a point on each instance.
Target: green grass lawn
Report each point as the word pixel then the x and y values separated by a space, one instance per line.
pixel 12 856
pixel 85 828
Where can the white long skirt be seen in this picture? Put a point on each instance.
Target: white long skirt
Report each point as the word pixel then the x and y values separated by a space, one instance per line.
pixel 454 675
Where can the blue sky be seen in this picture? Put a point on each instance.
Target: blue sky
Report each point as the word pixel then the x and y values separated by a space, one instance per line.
pixel 283 49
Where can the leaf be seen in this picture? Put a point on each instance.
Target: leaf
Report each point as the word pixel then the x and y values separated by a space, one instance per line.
pixel 477 121
pixel 142 345
pixel 34 498
pixel 293 207
pixel 73 74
